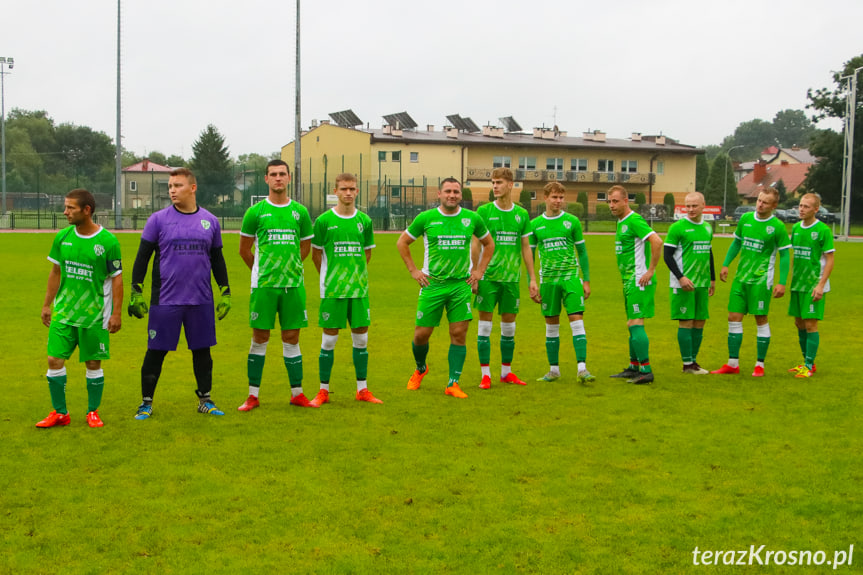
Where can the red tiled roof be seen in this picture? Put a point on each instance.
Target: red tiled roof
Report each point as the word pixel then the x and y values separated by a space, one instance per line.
pixel 791 174
pixel 151 167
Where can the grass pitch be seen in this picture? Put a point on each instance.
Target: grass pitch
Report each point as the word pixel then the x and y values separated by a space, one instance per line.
pixel 549 478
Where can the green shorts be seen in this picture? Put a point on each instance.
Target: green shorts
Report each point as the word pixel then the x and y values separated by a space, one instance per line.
pixel 335 313
pixel 802 306
pixel 289 303
pixel 454 295
pixel 570 293
pixel 503 295
pixel 686 305
pixel 639 301
pixel 92 342
pixel 749 298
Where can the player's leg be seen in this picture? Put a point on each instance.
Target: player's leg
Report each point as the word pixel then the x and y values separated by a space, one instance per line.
pixel 95 384
pixel 263 305
pixel 509 308
pixel 332 316
pixel 631 370
pixel 683 310
pixel 163 328
pixel 795 310
pixel 62 340
pixel 551 296
pixel 812 343
pixel 737 308
pixel 760 300
pixel 360 318
pixel 94 347
pixel 458 312
pixel 812 312
pixel 485 301
pixel 199 323
pixel 573 301
pixel 293 316
pixel 702 314
pixel 430 306
pixel 639 306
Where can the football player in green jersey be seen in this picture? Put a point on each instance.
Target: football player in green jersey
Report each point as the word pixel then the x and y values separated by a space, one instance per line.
pixel 341 251
pixel 758 238
pixel 559 242
pixel 446 278
pixel 85 288
pixel 692 278
pixel 281 231
pixel 638 249
pixel 509 225
pixel 812 242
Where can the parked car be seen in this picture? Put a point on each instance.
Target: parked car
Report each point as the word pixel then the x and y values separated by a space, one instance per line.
pixel 740 210
pixel 786 216
pixel 826 216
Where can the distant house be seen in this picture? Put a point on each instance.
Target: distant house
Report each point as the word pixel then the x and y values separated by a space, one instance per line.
pixel 773 156
pixel 764 175
pixel 145 186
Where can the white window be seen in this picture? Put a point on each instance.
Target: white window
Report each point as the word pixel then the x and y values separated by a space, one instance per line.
pixel 629 166
pixel 133 186
pixel 502 162
pixel 631 197
pixel 527 163
pixel 136 203
pixel 533 194
pixel 554 163
pixel 660 167
pixel 601 197
pixel 605 165
pixel 397 156
pixel 415 157
pixel 578 164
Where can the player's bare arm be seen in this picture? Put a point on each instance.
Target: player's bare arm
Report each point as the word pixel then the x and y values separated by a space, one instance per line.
pixel 115 322
pixel 527 256
pixel 655 253
pixel 305 248
pixel 403 245
pixel 317 258
pixel 818 290
pixel 487 251
pixel 246 244
pixel 50 293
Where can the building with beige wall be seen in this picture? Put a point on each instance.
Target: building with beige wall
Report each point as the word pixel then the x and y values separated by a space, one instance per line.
pixel 393 164
pixel 145 186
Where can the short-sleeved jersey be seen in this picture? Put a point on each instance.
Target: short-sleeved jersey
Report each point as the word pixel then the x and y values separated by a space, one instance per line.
pixel 691 242
pixel 507 228
pixel 181 267
pixel 555 240
pixel 278 231
pixel 632 248
pixel 761 241
pixel 810 244
pixel 344 241
pixel 87 265
pixel 447 242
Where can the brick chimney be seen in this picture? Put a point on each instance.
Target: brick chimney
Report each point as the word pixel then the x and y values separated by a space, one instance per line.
pixel 145 165
pixel 759 171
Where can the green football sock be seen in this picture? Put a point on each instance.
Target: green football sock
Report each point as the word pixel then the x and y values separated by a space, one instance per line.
pixel 633 357
pixel 456 357
pixel 803 339
pixel 641 345
pixel 684 340
pixel 95 385
pixel 697 336
pixel 735 340
pixel 325 364
pixel 812 342
pixel 420 354
pixel 761 345
pixel 295 370
pixel 255 369
pixel 552 350
pixel 579 342
pixel 483 349
pixel 361 362
pixel 507 349
pixel 57 387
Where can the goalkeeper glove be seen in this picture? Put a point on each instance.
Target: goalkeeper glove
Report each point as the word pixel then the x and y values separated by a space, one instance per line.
pixel 224 305
pixel 137 306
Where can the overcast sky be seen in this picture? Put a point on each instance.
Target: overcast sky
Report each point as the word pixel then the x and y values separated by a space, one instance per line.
pixel 689 69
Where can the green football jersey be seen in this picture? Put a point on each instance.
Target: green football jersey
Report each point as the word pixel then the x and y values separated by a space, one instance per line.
pixel 344 241
pixel 507 228
pixel 632 248
pixel 87 265
pixel 278 231
pixel 691 243
pixel 761 241
pixel 810 244
pixel 555 240
pixel 447 242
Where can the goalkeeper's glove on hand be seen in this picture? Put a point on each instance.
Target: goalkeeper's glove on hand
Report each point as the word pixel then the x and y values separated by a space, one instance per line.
pixel 137 306
pixel 224 305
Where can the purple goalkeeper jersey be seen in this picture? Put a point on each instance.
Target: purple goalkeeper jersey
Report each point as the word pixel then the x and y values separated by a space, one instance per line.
pixel 181 267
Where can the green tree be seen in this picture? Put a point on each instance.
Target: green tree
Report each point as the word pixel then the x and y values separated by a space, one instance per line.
pixel 175 161
pixel 721 175
pixel 669 202
pixel 825 177
pixel 702 169
pixel 754 136
pixel 86 151
pixel 212 165
pixel 640 198
pixel 783 191
pixel 582 199
pixel 129 158
pixel 491 195
pixel 603 212
pixel 524 200
pixel 576 209
pixel 158 158
pixel 793 128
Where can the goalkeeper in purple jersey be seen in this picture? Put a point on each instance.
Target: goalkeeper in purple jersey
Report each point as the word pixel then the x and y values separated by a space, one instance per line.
pixel 187 242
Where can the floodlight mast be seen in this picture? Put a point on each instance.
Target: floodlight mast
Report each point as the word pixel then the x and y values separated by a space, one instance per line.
pixel 118 147
pixel 4 61
pixel 847 165
pixel 298 157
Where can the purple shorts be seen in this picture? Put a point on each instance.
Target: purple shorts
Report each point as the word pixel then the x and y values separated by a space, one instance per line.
pixel 198 321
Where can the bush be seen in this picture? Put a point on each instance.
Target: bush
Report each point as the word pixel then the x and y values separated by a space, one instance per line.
pixel 640 199
pixel 582 199
pixel 575 209
pixel 668 200
pixel 540 208
pixel 467 194
pixel 633 207
pixel 491 195
pixel 524 199
pixel 603 212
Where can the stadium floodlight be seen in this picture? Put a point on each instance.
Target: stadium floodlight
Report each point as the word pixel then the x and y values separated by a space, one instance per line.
pixel 4 62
